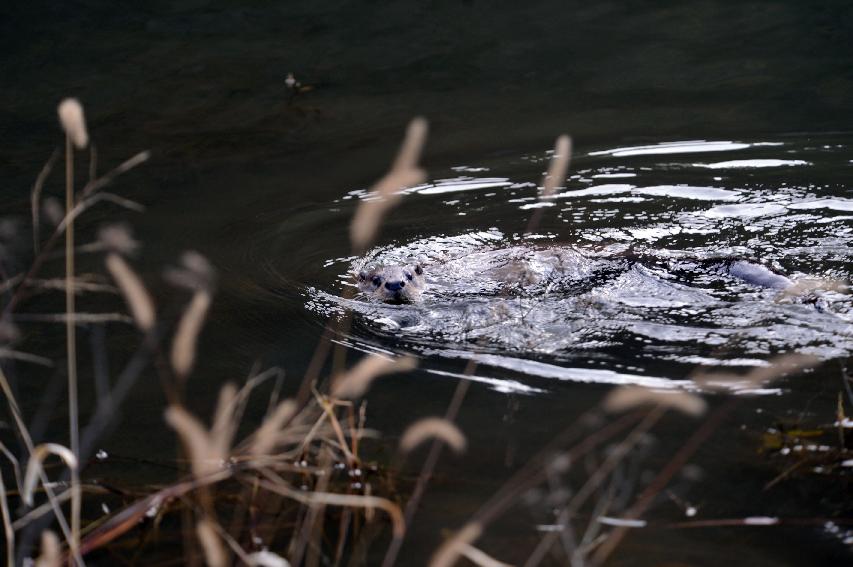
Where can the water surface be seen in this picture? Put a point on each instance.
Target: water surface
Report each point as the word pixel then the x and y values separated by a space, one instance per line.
pixel 700 130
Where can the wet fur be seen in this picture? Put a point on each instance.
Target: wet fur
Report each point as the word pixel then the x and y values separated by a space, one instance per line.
pixel 392 284
pixel 404 284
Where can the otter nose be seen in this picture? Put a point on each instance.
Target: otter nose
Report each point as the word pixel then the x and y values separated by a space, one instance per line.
pixel 394 286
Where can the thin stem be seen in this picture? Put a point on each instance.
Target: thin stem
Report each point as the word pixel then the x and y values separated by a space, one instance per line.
pixel 7 525
pixel 664 476
pixel 35 196
pixel 71 335
pixel 429 466
pixel 592 483
pixel 93 162
pixel 531 474
pixel 70 215
pixel 6 389
pixel 128 164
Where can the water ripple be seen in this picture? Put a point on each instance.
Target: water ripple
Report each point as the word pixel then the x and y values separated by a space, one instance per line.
pixel 620 275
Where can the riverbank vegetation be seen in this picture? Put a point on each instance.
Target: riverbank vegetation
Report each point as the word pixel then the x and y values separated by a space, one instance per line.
pixel 305 481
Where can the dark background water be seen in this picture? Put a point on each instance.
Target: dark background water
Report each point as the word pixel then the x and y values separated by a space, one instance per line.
pixel 239 174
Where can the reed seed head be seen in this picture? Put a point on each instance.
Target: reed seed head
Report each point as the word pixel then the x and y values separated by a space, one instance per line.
pixel 385 194
pixel 628 397
pixel 195 273
pixel 198 275
pixel 413 145
pixel 200 267
pixel 51 550
pixel 433 428
pixel 357 380
pixel 758 376
pixel 207 450
pixel 196 440
pixel 134 292
pixel 73 122
pixel 186 337
pixel 558 167
pixel 53 210
pixel 9 333
pixel 266 437
pixel 117 238
pixel 224 426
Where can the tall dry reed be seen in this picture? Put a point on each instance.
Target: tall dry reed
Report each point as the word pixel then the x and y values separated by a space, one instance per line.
pixel 72 121
pixel 195 274
pixel 71 117
pixel 386 193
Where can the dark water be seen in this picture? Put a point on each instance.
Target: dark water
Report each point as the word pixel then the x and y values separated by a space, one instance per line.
pixel 265 189
pixel 623 261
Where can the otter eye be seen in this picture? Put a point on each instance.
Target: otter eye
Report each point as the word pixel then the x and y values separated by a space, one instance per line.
pixel 419 270
pixel 408 276
pixel 377 280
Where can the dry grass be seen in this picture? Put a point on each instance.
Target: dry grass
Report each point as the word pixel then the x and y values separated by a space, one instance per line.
pixel 269 435
pixel 8 530
pixel 205 451
pixel 71 118
pixel 759 376
pixel 297 485
pixel 35 470
pixel 387 192
pixel 558 167
pixel 186 337
pixel 134 291
pixel 433 428
pixel 554 177
pixel 355 383
pixel 51 552
pixel 629 397
pixel 451 550
pixel 214 552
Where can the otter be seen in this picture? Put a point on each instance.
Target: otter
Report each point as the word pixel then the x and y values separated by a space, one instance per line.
pixel 405 283
pixel 392 284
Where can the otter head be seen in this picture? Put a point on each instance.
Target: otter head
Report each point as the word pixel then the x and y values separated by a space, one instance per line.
pixel 393 284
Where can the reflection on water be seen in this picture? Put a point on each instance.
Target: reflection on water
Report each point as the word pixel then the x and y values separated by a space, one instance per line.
pixel 691 147
pixel 741 163
pixel 631 281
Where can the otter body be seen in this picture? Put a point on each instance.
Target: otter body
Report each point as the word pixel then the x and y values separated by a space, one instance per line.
pixel 525 269
pixel 487 293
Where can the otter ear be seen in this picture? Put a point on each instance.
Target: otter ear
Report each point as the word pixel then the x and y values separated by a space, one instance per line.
pixel 419 269
pixel 361 276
